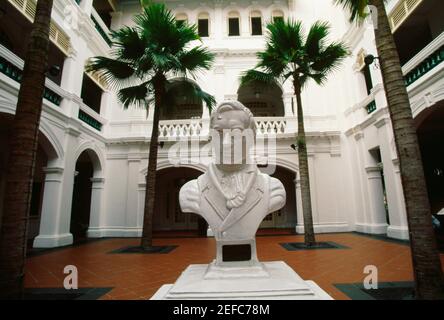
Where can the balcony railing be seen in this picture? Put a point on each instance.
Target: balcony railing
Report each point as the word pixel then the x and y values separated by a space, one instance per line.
pixel 14 71
pixel 172 129
pixel 425 66
pixel 270 125
pixel 90 117
pixel 180 128
pixel 425 61
pixel 371 107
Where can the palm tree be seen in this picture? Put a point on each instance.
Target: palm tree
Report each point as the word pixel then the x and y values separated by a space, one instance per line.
pixel 143 57
pixel 425 257
pixel 23 143
pixel 290 54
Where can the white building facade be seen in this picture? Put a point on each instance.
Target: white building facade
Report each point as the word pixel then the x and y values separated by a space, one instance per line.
pixel 93 154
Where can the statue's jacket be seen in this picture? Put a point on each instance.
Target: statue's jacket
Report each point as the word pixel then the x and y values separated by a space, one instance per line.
pixel 204 197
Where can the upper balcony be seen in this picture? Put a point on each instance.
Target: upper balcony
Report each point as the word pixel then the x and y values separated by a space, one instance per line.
pixel 11 72
pixel 100 14
pixel 419 37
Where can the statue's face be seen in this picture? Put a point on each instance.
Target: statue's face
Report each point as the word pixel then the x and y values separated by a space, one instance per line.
pixel 230 137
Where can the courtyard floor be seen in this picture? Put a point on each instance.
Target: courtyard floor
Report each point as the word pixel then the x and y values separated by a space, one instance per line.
pixel 138 276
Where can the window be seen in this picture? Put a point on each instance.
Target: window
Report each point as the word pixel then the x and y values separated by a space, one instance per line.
pixel 368 78
pixel 276 19
pixel 233 24
pixel 181 18
pixel 203 25
pixel 256 23
pixel 91 93
pixel 278 16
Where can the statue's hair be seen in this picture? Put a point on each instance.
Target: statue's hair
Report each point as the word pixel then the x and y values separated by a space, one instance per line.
pixel 234 105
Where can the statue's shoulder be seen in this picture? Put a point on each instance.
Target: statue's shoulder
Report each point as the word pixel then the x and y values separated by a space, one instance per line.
pixel 190 186
pixel 189 196
pixel 272 183
pixel 275 184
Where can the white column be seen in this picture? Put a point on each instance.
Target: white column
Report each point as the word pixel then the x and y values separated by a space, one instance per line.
pixel 86 6
pixel 70 76
pixel 378 222
pixel 362 214
pixel 218 26
pixel 245 30
pixel 49 235
pixel 398 227
pixel 288 110
pixel 70 145
pixel 95 221
pixel 398 220
pixel 299 210
pixel 132 194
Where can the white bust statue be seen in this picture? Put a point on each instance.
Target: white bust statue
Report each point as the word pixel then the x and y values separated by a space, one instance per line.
pixel 233 196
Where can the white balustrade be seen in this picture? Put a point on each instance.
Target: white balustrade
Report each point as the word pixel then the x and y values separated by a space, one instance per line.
pixel 270 125
pixel 180 128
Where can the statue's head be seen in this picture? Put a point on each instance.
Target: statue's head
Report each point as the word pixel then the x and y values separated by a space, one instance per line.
pixel 233 132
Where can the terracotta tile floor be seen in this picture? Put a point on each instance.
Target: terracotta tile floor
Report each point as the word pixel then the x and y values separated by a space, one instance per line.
pixel 138 276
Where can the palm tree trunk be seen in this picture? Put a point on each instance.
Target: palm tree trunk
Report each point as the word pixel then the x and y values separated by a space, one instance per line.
pixel 150 191
pixel 303 170
pixel 426 262
pixel 23 143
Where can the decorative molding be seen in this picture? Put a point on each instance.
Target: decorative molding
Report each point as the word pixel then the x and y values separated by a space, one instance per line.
pixel 53 170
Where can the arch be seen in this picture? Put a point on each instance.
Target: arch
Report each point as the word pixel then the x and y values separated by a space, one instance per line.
pixel 203 15
pixel 256 13
pixel 286 217
pixel 256 23
pixel 95 154
pixel 181 16
pixel 430 129
pixel 263 100
pixel 287 164
pixel 46 156
pixel 168 214
pixel 52 146
pixel 277 13
pixel 426 112
pixel 184 107
pixel 234 14
pixel 165 164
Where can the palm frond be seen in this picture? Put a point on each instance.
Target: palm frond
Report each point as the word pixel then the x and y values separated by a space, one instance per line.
pixel 285 36
pixel 127 44
pixel 356 8
pixel 158 26
pixel 135 95
pixel 330 57
pixel 273 61
pixel 257 76
pixel 195 60
pixel 116 73
pixel 316 38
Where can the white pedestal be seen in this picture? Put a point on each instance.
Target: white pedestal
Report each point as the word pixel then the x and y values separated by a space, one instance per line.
pixel 266 281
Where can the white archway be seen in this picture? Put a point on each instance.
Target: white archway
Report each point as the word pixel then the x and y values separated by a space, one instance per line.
pixel 89 171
